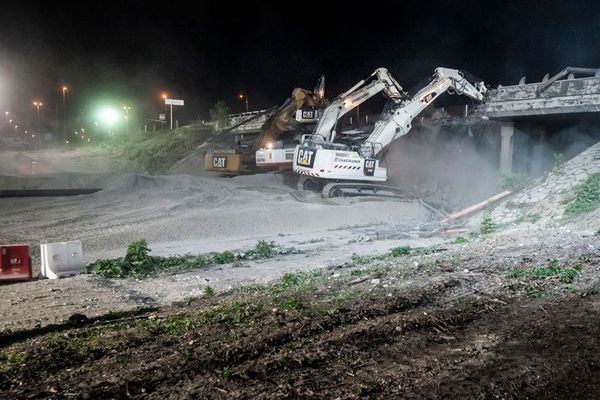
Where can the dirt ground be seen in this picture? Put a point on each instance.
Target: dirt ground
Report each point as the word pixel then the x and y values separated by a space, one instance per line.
pixel 451 324
pixel 508 315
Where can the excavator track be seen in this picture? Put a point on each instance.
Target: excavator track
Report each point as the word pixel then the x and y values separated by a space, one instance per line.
pixel 349 189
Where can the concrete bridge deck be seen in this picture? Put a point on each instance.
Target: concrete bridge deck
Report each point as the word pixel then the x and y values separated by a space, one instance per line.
pixel 561 94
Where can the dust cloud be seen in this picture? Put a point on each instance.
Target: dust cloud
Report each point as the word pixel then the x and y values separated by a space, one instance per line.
pixel 450 165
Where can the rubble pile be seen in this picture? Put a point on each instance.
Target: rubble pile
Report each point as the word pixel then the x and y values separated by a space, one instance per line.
pixel 545 202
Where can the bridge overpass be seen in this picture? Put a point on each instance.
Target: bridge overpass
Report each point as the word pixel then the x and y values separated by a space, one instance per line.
pixel 571 92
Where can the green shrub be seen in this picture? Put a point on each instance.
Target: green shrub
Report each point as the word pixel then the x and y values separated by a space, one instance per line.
pixel 200 261
pixel 487 225
pixel 209 292
pixel 225 257
pixel 290 279
pixel 401 251
pixel 264 249
pixel 137 252
pixel 137 263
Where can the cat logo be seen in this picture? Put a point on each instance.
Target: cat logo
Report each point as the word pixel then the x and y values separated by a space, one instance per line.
pixel 369 169
pixel 306 157
pixel 427 98
pixel 219 162
pixel 308 114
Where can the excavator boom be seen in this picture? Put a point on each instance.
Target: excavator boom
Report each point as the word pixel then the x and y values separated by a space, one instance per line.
pixel 379 81
pixel 398 121
pixel 275 126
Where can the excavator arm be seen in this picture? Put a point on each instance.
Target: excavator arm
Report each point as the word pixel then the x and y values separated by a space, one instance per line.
pixel 379 81
pixel 300 98
pixel 398 121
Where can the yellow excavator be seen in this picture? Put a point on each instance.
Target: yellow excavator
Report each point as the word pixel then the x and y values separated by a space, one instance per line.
pixel 273 146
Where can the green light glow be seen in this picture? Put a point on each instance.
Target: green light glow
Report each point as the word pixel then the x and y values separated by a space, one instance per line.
pixel 108 115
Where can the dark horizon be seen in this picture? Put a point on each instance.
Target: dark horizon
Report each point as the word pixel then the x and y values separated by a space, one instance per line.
pixel 133 51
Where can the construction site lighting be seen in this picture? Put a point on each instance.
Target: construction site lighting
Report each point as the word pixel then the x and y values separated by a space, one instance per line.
pixel 108 115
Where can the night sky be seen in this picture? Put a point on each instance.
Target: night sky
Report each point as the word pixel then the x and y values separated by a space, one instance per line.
pixel 131 51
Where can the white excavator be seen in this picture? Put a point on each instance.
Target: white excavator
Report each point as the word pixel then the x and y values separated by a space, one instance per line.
pixel 271 153
pixel 338 168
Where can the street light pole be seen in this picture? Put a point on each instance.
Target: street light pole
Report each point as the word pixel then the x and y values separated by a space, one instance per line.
pixel 244 96
pixel 164 96
pixel 38 104
pixel 64 91
pixel 127 108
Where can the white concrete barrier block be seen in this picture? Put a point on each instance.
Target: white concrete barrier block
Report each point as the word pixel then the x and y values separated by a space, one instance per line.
pixel 62 259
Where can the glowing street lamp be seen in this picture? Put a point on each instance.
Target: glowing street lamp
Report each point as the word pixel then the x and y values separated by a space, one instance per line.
pixel 38 104
pixel 243 96
pixel 127 108
pixel 165 96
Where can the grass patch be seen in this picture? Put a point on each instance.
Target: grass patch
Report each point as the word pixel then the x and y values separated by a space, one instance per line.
pixel 236 312
pixel 460 240
pixel 365 271
pixel 516 182
pixel 227 373
pixel 401 251
pixel 357 260
pixel 225 257
pixel 299 280
pixel 587 197
pixel 414 251
pixel 294 304
pixel 158 151
pixel 138 263
pixel 554 270
pixel 209 291
pixel 534 292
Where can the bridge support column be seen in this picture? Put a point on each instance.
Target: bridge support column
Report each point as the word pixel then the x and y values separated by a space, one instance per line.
pixel 537 153
pixel 507 131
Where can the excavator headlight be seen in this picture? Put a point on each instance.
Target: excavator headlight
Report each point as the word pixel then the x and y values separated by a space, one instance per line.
pixel 269 145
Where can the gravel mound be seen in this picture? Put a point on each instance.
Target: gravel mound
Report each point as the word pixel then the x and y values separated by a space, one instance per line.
pixel 545 202
pixel 145 187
